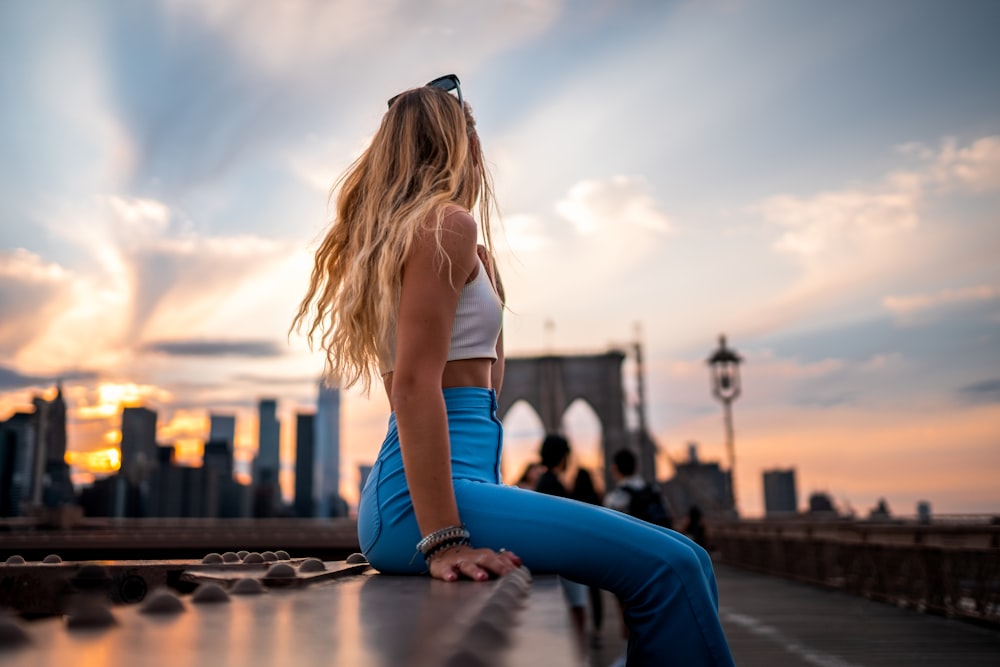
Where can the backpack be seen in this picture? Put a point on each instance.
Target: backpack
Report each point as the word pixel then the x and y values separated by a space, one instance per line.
pixel 647 504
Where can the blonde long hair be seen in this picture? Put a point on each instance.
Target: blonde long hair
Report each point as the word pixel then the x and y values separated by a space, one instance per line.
pixel 424 156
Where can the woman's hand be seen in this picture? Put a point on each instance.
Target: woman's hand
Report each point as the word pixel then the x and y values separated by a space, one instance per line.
pixel 475 564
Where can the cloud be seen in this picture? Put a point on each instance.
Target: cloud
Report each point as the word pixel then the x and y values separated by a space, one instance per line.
pixel 622 201
pixel 913 303
pixel 300 33
pixel 32 292
pixel 834 220
pixel 975 168
pixel 844 220
pixel 270 380
pixel 143 275
pixel 523 233
pixel 987 391
pixel 215 348
pixel 11 379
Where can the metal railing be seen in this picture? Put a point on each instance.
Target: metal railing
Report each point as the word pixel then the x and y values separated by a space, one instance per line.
pixel 951 568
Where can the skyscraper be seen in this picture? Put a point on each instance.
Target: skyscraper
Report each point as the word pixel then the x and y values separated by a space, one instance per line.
pixel 139 463
pixel 267 464
pixel 56 450
pixel 17 450
pixel 326 487
pixel 139 451
pixel 50 478
pixel 222 428
pixel 780 495
pixel 268 461
pixel 305 450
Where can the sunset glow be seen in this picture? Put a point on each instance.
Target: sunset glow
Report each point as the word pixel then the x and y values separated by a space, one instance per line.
pixel 100 461
pixel 818 181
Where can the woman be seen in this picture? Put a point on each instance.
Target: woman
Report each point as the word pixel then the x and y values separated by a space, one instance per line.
pixel 401 289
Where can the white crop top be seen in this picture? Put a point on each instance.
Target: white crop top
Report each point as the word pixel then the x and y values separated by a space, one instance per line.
pixel 478 320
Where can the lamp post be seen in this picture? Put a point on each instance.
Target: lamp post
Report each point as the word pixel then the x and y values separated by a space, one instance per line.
pixel 725 368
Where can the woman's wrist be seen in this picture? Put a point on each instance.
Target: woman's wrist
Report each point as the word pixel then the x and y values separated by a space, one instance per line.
pixel 444 538
pixel 445 548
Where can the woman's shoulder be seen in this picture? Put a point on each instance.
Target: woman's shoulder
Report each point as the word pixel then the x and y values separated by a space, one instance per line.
pixel 459 233
pixel 456 219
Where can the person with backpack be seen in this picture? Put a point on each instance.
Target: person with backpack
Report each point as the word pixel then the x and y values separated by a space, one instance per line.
pixel 633 495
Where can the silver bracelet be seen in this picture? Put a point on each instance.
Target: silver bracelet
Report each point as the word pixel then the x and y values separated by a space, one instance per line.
pixel 440 536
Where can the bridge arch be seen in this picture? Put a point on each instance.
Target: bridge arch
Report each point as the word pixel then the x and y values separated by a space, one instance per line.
pixel 551 383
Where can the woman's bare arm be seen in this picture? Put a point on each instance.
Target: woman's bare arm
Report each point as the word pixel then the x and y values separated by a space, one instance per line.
pixel 428 301
pixel 427 305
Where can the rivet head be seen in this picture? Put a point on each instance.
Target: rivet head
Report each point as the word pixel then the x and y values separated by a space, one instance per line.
pixel 210 593
pixel 281 571
pixel 12 634
pixel 312 565
pixel 247 586
pixel 162 602
pixel 89 614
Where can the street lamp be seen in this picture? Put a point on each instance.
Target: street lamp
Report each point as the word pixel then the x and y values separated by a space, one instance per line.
pixel 725 369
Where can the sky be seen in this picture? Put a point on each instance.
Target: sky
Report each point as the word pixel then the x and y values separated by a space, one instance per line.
pixel 818 181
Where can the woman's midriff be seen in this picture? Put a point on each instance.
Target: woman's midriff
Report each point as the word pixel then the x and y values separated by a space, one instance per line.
pixel 458 373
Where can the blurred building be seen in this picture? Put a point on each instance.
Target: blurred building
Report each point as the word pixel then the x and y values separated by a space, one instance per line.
pixel 305 449
pixel 222 428
pixel 17 451
pixel 139 448
pixel 326 484
pixel 208 491
pixel 780 495
pixel 267 463
pixel 139 461
pixel 821 506
pixel 699 483
pixel 50 479
pixel 268 459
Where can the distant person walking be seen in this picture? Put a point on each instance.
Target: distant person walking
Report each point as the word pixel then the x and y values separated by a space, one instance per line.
pixel 529 478
pixel 633 495
pixel 695 528
pixel 554 454
pixel 636 497
pixel 585 492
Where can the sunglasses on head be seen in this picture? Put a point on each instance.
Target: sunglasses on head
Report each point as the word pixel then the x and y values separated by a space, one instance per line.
pixel 447 83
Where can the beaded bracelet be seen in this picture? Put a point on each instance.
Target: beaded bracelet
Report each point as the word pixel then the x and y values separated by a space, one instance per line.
pixel 441 547
pixel 449 535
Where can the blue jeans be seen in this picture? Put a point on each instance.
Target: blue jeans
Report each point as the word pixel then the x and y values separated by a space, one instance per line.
pixel 665 581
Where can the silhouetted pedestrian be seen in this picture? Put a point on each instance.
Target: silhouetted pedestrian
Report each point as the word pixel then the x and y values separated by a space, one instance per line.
pixel 585 492
pixel 694 527
pixel 529 478
pixel 554 454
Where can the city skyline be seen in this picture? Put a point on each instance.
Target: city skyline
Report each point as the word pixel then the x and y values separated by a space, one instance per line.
pixel 818 182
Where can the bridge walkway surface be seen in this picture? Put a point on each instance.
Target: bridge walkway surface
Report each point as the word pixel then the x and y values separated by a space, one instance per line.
pixel 774 621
